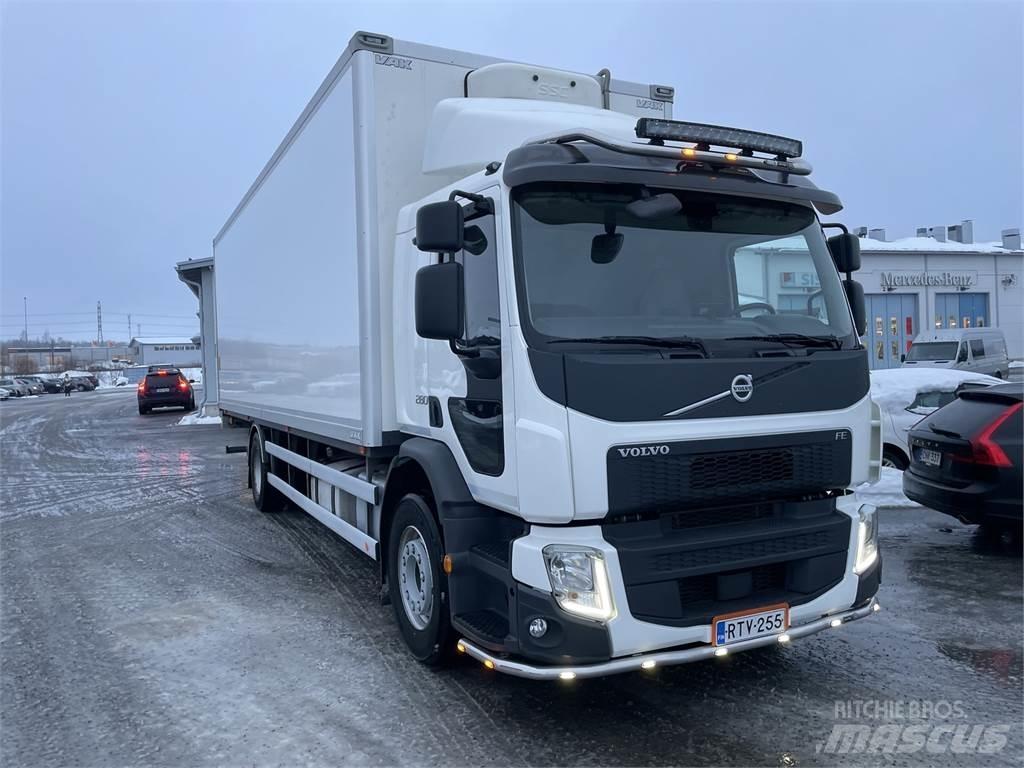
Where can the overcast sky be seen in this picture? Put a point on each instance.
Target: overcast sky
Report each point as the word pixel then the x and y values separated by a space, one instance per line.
pixel 131 130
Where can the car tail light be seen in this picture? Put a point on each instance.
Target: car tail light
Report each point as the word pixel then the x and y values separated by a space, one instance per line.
pixel 988 451
pixel 183 385
pixel 142 387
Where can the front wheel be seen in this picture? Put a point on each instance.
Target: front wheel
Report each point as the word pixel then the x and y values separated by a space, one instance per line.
pixel 894 459
pixel 417 585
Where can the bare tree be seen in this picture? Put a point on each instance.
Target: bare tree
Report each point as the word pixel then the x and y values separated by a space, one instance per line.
pixel 25 365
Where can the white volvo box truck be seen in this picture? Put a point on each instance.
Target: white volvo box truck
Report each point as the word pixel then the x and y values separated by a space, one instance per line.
pixel 584 380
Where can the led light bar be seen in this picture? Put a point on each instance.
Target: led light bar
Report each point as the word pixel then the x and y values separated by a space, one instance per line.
pixel 717 135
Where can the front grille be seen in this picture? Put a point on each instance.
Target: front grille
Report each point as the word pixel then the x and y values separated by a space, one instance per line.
pixel 680 573
pixel 708 472
pixel 702 518
pixel 704 589
pixel 681 560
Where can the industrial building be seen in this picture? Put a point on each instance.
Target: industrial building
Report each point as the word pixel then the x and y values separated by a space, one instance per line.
pixel 170 350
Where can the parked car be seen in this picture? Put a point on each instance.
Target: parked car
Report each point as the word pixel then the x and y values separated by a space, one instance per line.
pixel 16 388
pixel 905 396
pixel 966 457
pixel 4 393
pixel 978 350
pixel 34 387
pixel 81 381
pixel 50 382
pixel 165 387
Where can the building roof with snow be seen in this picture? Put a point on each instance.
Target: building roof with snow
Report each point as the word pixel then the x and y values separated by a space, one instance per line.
pixel 150 340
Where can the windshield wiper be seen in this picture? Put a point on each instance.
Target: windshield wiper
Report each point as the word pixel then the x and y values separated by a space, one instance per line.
pixel 669 342
pixel 794 339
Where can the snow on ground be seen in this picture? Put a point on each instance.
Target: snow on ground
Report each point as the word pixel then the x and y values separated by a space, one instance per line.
pixel 1017 363
pixel 887 492
pixel 898 387
pixel 198 417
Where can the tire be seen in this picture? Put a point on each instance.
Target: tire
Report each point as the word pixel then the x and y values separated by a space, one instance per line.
pixel 998 374
pixel 143 410
pixel 191 405
pixel 265 497
pixel 416 584
pixel 893 457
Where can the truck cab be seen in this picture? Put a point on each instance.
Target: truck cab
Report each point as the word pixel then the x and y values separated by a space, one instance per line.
pixel 648 375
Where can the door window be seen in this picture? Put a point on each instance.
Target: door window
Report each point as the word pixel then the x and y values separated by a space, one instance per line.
pixel 479 260
pixel 977 348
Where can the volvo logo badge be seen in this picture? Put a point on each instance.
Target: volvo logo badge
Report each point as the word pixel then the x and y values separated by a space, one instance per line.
pixel 742 387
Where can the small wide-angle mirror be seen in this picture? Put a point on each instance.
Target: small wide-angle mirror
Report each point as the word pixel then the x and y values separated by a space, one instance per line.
pixel 474 240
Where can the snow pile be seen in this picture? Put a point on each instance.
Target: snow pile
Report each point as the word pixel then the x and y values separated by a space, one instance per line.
pixel 197 417
pixel 1017 363
pixel 898 387
pixel 887 492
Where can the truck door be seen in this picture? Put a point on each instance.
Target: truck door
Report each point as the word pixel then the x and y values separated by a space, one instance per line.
pixel 472 377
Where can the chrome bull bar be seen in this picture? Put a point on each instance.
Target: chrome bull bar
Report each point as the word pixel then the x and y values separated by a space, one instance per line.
pixel 648 661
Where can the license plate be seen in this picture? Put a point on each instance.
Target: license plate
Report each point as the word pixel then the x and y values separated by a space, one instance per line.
pixel 746 625
pixel 162 389
pixel 929 457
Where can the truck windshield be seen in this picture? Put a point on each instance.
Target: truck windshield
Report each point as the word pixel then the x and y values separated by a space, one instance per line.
pixel 721 275
pixel 932 350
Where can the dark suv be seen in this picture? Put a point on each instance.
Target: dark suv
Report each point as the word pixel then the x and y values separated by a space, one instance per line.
pixel 164 388
pixel 966 457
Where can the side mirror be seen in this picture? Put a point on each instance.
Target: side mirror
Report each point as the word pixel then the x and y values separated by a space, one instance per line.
pixel 439 301
pixel 845 250
pixel 903 358
pixel 961 356
pixel 855 295
pixel 439 227
pixel 191 381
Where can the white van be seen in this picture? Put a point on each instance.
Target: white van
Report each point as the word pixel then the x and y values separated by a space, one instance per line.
pixel 979 350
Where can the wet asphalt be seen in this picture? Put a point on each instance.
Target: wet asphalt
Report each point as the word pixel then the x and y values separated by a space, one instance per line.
pixel 151 616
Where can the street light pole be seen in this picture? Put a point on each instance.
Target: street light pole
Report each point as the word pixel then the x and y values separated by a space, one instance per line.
pixel 25 300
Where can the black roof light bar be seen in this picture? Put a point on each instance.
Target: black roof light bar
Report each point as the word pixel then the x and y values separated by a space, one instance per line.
pixel 701 154
pixel 707 136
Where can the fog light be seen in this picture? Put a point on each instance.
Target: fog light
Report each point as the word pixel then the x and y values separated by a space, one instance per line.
pixel 567 675
pixel 784 638
pixel 876 608
pixel 538 628
pixel 649 664
pixel 836 623
pixel 721 651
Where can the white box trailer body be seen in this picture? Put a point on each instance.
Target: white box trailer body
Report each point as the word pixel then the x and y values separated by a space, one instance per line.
pixel 304 315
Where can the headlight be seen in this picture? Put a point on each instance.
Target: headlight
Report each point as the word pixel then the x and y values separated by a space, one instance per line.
pixel 579 581
pixel 867 538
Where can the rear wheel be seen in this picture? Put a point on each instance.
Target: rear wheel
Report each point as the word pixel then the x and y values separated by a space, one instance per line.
pixel 143 410
pixel 264 495
pixel 891 457
pixel 417 586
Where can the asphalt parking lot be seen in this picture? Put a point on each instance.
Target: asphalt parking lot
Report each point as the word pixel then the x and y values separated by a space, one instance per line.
pixel 150 615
